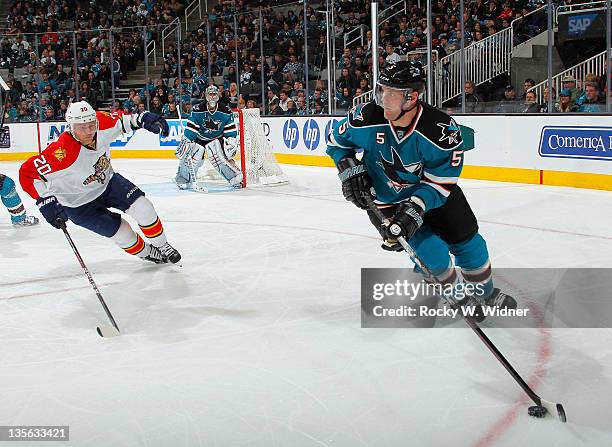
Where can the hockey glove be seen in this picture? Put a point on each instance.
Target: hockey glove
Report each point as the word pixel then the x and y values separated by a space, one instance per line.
pixel 52 211
pixel 230 147
pixel 405 222
pixel 356 182
pixel 153 123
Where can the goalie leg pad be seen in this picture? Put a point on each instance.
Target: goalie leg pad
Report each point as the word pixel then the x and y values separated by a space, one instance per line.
pixel 191 159
pixel 227 168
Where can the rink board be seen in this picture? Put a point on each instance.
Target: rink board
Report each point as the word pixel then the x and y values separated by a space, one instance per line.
pixel 568 150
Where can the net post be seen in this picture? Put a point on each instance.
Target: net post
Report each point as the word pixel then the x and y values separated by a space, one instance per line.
pixel 242 147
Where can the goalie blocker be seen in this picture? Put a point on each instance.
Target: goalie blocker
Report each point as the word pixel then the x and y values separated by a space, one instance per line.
pixel 246 160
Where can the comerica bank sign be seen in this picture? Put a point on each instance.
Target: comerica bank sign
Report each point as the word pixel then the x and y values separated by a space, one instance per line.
pixel 576 142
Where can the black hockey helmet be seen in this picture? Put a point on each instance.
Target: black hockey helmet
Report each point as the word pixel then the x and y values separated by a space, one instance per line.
pixel 400 79
pixel 403 75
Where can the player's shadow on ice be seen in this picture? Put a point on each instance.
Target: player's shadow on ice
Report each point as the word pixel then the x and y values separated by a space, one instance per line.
pixel 156 301
pixel 13 239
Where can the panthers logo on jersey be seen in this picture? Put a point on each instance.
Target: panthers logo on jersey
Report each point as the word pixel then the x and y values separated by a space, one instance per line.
pixel 400 175
pixel 99 167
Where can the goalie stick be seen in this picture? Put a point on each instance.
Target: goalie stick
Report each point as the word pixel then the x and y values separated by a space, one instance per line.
pixel 542 406
pixel 103 330
pixel 5 89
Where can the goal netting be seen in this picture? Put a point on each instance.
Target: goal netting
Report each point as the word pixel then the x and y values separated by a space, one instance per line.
pixel 254 156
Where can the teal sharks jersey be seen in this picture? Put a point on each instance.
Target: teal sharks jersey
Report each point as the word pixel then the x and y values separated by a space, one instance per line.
pixel 422 160
pixel 205 126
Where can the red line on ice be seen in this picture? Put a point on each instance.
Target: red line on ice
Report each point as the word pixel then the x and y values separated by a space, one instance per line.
pixel 504 422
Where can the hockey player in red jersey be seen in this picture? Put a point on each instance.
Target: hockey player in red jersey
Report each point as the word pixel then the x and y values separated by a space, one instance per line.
pixel 72 179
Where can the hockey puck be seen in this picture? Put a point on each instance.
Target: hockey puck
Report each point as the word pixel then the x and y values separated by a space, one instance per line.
pixel 537 411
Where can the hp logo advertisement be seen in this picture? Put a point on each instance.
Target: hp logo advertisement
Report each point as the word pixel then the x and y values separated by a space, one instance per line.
pixel 311 134
pixel 291 134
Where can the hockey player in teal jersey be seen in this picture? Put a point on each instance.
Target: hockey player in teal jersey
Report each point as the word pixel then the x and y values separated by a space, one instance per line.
pixel 210 130
pixel 412 159
pixel 13 203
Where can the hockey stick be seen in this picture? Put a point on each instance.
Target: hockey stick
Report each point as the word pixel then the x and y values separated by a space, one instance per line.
pixel 5 88
pixel 542 406
pixel 104 330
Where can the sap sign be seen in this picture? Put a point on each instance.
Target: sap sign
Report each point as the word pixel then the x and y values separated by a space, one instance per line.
pixel 311 134
pixel 579 24
pixel 576 142
pixel 174 137
pixel 291 134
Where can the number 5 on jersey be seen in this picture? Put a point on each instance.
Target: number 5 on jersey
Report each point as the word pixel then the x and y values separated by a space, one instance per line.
pixel 457 158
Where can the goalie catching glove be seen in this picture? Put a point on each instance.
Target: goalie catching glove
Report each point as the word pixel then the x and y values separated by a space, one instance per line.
pixel 356 182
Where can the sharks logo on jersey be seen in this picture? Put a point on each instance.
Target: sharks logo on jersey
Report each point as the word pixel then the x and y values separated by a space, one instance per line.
pixel 356 112
pixel 450 132
pixel 400 175
pixel 204 125
pixel 212 124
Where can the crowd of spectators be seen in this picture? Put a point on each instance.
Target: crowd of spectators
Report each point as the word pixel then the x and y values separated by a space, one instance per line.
pixel 575 96
pixel 42 37
pixel 276 83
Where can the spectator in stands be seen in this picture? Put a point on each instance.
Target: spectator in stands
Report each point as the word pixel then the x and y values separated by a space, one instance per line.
pixel 508 104
pixel 569 82
pixel 89 95
pixel 530 105
pixel 473 102
pixel 301 106
pixel 49 114
pixel 565 101
pixel 156 106
pixel 291 108
pixel 275 109
pixel 283 100
pixel 591 102
pixel 170 110
pixel 528 84
pixel 344 101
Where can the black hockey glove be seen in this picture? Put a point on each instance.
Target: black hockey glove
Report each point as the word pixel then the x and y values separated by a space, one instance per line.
pixel 356 181
pixel 154 123
pixel 405 222
pixel 52 211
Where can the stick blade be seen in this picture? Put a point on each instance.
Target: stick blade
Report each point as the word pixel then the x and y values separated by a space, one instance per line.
pixel 555 409
pixel 107 331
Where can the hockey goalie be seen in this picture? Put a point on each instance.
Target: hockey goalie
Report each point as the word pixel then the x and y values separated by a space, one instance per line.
pixel 225 149
pixel 211 132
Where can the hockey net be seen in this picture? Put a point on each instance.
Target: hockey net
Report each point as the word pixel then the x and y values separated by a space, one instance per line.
pixel 254 156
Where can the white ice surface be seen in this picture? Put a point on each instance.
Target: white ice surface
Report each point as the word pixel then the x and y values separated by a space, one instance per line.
pixel 256 341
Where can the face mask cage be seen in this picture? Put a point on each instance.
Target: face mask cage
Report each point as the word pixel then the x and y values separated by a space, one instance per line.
pixel 212 97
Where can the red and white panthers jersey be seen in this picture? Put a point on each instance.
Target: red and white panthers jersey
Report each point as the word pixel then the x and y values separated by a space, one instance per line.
pixel 73 173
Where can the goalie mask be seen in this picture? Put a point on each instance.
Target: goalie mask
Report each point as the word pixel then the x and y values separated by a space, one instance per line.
pixel 212 96
pixel 396 86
